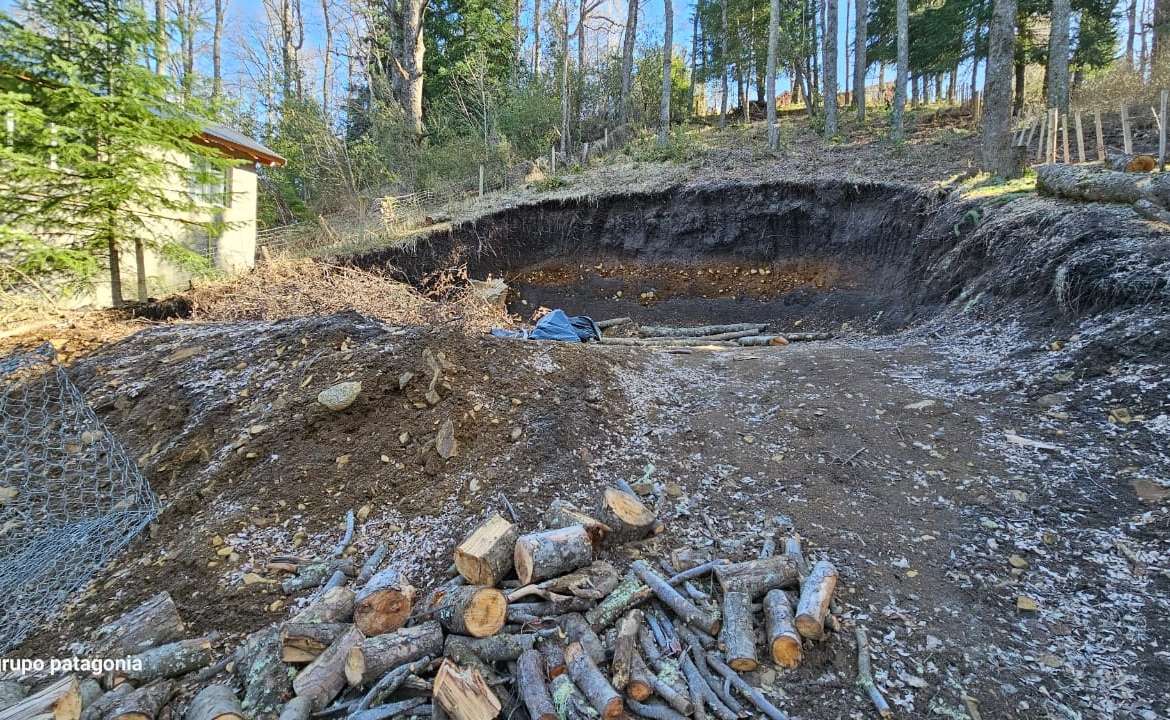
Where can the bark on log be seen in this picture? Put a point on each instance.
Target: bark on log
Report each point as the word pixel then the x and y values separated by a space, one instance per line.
pixel 592 682
pixel 59 701
pixel 762 341
pixel 524 612
pixel 563 514
pixel 375 656
pixel 756 577
pixel 316 574
pixel 554 657
pixel 384 603
pixel 472 610
pixel 389 683
pixel 702 330
pixel 215 702
pixel 577 629
pixel 629 592
pixel 325 677
pixel 672 688
pixel 534 691
pixel 686 610
pixel 11 692
pixel 614 322
pixel 335 606
pixel 485 557
pixel 1092 184
pixel 696 570
pixel 296 709
pixel 639 685
pixel 784 641
pixel 412 707
pixel 303 642
pixel 815 596
pixel 101 707
pixel 733 335
pixel 463 694
pixel 865 674
pixel 166 661
pixel 143 703
pixel 624 649
pixel 699 685
pixel 628 516
pixel 647 644
pixel 654 711
pixel 793 550
pixel 593 582
pixel 570 704
pixel 153 623
pixel 752 694
pixel 808 336
pixel 686 558
pixel 739 632
pixel 497 648
pixel 373 562
pixel 672 342
pixel 265 678
pixel 552 552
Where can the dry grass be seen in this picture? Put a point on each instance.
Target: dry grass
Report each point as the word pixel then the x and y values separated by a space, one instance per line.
pixel 284 288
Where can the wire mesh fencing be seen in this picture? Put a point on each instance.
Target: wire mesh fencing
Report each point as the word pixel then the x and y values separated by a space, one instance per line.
pixel 71 497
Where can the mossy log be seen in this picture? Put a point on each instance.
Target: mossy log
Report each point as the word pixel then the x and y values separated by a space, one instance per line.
pixel 264 676
pixel 215 702
pixel 570 704
pixel 1090 183
pixel 497 648
pixel 166 661
pixel 629 592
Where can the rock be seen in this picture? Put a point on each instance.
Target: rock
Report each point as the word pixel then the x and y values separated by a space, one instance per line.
pixel 1017 561
pixel 1027 604
pixel 1051 400
pixel 516 434
pixel 364 511
pixel 404 380
pixel 445 443
pixel 339 396
pixel 920 405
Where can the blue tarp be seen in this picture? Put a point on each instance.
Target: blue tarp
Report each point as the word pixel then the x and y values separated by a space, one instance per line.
pixel 556 326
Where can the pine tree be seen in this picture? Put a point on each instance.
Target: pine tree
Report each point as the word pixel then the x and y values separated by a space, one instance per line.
pixel 95 153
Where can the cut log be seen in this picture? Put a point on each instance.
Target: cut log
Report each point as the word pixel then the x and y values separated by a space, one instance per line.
pixel 794 551
pixel 686 558
pixel 153 623
pixel 702 330
pixel 563 514
pixel 335 606
pixel 530 681
pixel 166 661
pixel 815 596
pixel 671 687
pixel 1089 183
pixel 384 603
pixel 552 552
pixel 568 700
pixel 626 515
pixel 808 336
pixel 762 341
pixel 654 711
pixel 577 629
pixel 639 685
pixel 297 709
pixel 624 649
pixel 11 692
pixel 265 678
pixel 317 574
pixel 59 701
pixel 784 641
pixel 554 657
pixel 739 632
pixel 485 557
pixel 412 707
pixel 497 648
pixel 592 682
pixel 629 592
pixel 377 655
pixel 143 703
pixel 667 342
pixel 303 642
pixel 613 322
pixel 696 571
pixel 463 694
pixel 102 706
pixel 593 582
pixel 471 610
pixel 373 562
pixel 756 577
pixel 686 610
pixel 215 702
pixel 325 678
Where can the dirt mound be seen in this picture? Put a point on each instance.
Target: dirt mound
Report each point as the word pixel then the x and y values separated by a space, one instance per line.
pixel 224 422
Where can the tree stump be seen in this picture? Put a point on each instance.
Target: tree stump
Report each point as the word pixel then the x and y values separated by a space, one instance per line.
pixel 628 518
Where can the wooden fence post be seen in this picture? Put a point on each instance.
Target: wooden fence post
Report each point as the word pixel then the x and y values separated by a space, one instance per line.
pixel 1031 130
pixel 1040 144
pixel 584 153
pixel 1064 138
pixel 481 180
pixel 1126 135
pixel 552 160
pixel 1162 134
pixel 1080 139
pixel 1053 129
pixel 1100 135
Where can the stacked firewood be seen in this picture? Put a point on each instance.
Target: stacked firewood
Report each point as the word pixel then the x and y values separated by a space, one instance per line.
pixel 530 623
pixel 735 334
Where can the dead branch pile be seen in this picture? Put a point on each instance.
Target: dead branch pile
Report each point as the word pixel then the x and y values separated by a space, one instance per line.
pixel 530 623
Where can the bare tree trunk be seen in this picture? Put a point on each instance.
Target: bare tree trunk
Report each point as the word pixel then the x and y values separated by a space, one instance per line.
pixel 770 95
pixel 327 56
pixel 998 154
pixel 115 259
pixel 1058 57
pixel 830 64
pixel 564 76
pixel 952 83
pixel 579 89
pixel 694 59
pixel 160 37
pixel 535 38
pixel 518 32
pixel 667 53
pixel 628 38
pixel 413 51
pixel 216 58
pixel 723 63
pixel 297 47
pixel 903 25
pixel 1018 102
pixel 974 62
pixel 1161 28
pixel 848 75
pixel 1131 18
pixel 861 33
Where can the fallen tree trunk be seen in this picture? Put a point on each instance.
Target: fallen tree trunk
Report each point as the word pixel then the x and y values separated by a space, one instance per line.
pixel 626 515
pixel 166 661
pixel 384 603
pixel 59 701
pixel 702 330
pixel 784 641
pixel 552 552
pixel 686 610
pixel 613 322
pixel 592 682
pixel 1076 182
pixel 463 694
pixel 739 632
pixel 815 596
pixel 324 678
pixel 143 703
pixel 375 656
pixel 570 704
pixel 303 642
pixel 670 342
pixel 472 610
pixel 486 556
pixel 530 682
pixel 592 582
pixel 153 623
pixel 756 577
pixel 215 702
pixel 735 335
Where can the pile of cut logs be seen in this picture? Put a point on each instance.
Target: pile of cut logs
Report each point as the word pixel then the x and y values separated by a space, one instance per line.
pixel 529 624
pixel 737 334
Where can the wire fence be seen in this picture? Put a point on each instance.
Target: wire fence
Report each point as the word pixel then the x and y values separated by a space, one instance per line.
pixel 71 497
